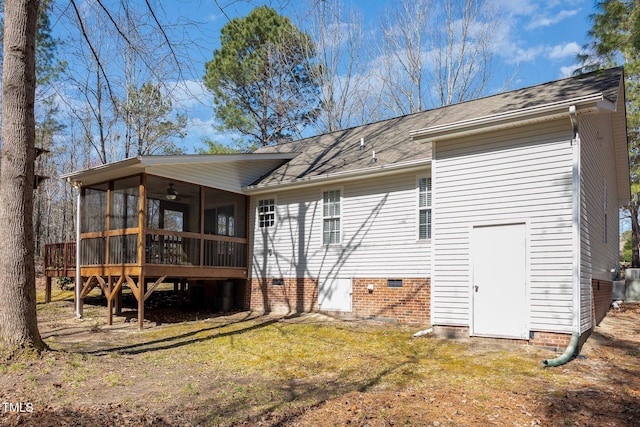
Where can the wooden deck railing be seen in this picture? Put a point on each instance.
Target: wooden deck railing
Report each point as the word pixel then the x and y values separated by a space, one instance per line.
pixel 162 248
pixel 60 257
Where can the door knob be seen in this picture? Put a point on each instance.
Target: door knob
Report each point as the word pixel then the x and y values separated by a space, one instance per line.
pixel 476 286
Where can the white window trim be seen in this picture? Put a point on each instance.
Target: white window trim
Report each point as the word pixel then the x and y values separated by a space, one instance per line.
pixel 419 208
pixel 605 214
pixel 340 217
pixel 275 212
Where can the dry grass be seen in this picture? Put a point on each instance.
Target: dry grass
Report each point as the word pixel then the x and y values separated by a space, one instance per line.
pixel 297 370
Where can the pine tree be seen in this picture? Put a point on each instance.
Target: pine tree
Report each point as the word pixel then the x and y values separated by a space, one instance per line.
pixel 615 40
pixel 262 79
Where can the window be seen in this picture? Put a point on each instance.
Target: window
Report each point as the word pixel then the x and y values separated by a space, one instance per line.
pixel 266 213
pixel 424 208
pixel 605 237
pixel 331 217
pixel 394 283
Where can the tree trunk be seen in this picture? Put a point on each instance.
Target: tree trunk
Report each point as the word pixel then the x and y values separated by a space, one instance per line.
pixel 18 322
pixel 635 234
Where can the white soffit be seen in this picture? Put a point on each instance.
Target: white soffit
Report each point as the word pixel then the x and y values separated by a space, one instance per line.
pixel 176 167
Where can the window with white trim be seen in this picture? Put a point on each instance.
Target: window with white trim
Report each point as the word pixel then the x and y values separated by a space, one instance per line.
pixel 605 237
pixel 331 217
pixel 424 208
pixel 266 213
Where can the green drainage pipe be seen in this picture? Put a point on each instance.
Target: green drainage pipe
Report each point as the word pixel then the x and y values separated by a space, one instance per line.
pixel 567 355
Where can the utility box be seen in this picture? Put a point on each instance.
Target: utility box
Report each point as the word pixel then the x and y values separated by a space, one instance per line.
pixel 618 290
pixel 632 284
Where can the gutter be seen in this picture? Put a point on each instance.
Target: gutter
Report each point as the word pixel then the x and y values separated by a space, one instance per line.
pixel 576 223
pixel 510 118
pixel 572 347
pixel 336 177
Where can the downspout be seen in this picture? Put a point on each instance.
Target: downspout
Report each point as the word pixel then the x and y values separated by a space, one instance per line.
pixel 77 186
pixel 568 354
pixel 572 347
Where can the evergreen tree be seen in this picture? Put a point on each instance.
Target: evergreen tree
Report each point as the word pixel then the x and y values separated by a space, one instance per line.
pixel 263 79
pixel 615 40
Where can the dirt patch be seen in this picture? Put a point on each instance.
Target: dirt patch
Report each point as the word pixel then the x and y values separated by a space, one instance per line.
pixel 189 368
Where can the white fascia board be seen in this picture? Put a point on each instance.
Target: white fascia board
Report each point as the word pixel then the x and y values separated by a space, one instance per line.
pixel 78 176
pixel 507 119
pixel 339 177
pixel 214 158
pixel 139 164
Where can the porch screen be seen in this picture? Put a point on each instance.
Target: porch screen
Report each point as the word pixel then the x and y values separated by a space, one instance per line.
pixel 124 203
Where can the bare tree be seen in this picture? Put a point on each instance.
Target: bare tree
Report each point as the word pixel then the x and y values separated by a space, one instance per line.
pixel 435 53
pixel 402 68
pixel 338 36
pixel 18 323
pixel 462 50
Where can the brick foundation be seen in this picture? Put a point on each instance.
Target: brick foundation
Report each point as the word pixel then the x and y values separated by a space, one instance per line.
pixel 550 340
pixel 287 295
pixel 407 304
pixel 602 291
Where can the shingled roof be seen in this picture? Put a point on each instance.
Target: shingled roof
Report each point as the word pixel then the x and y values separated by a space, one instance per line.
pixel 339 153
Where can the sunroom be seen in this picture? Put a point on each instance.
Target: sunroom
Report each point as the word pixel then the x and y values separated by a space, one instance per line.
pixel 165 219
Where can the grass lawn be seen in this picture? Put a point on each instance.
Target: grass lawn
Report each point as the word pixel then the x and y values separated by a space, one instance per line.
pixel 310 370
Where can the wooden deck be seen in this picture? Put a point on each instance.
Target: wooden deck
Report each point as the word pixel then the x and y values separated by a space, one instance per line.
pixel 229 263
pixel 59 261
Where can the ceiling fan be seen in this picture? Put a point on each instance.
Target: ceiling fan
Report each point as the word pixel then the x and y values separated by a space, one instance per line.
pixel 172 193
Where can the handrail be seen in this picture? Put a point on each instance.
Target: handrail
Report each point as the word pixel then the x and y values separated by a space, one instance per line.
pixel 60 256
pixel 192 235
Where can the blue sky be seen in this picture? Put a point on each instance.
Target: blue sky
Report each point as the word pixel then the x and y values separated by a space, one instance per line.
pixel 537 41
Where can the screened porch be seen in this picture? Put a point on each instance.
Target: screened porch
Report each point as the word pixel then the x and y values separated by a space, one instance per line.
pixel 153 226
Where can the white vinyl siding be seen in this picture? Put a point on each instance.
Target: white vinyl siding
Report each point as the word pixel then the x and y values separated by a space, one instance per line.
pixel 599 208
pixel 521 175
pixel 378 233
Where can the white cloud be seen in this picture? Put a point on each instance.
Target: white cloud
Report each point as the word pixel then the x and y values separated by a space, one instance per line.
pixel 544 20
pixel 516 55
pixel 568 70
pixel 517 7
pixel 562 51
pixel 191 94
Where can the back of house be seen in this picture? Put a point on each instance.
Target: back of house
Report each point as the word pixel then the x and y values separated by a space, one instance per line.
pixel 496 217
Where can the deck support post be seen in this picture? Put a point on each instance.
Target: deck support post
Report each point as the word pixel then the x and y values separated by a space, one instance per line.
pixel 118 301
pixel 47 291
pixel 109 301
pixel 181 291
pixel 78 297
pixel 141 289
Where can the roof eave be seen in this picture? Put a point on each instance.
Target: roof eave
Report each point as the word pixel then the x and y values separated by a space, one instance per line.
pixel 338 177
pixel 139 164
pixel 512 118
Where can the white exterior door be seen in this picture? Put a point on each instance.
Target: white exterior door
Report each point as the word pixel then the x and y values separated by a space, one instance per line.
pixel 334 294
pixel 499 281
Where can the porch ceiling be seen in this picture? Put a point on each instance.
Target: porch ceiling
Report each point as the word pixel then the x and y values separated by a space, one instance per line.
pixel 197 169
